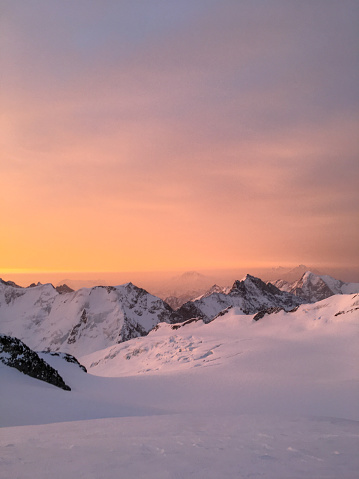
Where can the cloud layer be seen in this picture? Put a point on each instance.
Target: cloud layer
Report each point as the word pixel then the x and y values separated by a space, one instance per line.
pixel 163 135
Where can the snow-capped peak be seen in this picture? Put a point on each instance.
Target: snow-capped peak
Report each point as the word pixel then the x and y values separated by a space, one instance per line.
pixel 249 295
pixel 312 287
pixel 79 321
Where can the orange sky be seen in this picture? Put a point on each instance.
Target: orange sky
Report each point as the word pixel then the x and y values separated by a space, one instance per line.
pixel 201 135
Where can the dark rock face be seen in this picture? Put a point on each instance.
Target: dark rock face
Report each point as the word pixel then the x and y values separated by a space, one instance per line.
pixel 258 296
pixel 262 313
pixel 311 288
pixel 251 295
pixel 180 325
pixel 74 333
pixel 11 294
pixel 188 311
pixel 131 330
pixel 67 357
pixel 63 289
pixel 9 283
pixel 223 312
pixel 33 285
pixel 16 354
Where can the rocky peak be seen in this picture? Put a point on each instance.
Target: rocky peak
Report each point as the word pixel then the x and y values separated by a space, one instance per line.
pixel 311 288
pixel 281 284
pixel 34 285
pixel 251 285
pixel 63 289
pixel 80 321
pixel 9 283
pixel 215 289
pixel 250 294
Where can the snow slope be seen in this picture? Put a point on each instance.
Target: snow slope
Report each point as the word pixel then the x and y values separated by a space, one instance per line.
pixel 235 342
pixel 236 398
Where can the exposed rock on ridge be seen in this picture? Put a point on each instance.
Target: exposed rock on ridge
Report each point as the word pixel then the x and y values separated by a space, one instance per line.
pixel 81 321
pixel 312 287
pixel 66 357
pixel 251 295
pixel 63 289
pixel 16 354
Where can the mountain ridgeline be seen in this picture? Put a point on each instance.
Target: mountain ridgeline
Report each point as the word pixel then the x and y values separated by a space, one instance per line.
pixel 250 295
pixel 90 319
pixel 81 321
pixel 313 287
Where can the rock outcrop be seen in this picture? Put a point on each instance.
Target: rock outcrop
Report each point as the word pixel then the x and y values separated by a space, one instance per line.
pixel 16 354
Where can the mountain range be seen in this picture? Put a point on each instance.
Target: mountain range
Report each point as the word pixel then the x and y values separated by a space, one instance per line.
pixel 191 285
pixel 268 383
pixel 90 319
pixel 83 320
pixel 250 295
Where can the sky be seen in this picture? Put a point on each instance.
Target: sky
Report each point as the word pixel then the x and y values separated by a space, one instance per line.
pixel 165 135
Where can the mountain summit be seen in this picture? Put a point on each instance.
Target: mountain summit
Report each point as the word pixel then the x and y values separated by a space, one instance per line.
pixel 312 287
pixel 79 321
pixel 250 295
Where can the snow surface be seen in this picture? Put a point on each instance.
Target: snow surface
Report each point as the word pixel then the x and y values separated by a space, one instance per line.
pixel 339 287
pixel 183 446
pixel 277 399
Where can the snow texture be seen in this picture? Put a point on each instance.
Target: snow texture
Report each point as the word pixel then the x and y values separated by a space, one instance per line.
pixel 275 398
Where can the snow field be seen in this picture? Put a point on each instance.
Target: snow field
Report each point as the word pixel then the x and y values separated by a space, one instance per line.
pixel 274 399
pixel 183 446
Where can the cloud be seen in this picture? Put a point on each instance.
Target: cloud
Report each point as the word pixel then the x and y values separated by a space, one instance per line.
pixel 217 126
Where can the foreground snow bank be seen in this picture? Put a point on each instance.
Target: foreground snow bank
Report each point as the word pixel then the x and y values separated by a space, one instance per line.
pixel 184 446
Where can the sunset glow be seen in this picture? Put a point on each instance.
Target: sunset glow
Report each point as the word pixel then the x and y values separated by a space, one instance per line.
pixel 154 136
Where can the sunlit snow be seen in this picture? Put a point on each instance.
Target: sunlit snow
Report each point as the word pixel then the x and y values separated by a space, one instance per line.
pixel 276 398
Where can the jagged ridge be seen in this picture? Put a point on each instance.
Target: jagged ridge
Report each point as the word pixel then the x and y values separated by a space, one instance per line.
pixel 80 321
pixel 251 295
pixel 312 287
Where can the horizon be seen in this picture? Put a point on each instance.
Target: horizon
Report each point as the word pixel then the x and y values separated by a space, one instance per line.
pixel 225 277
